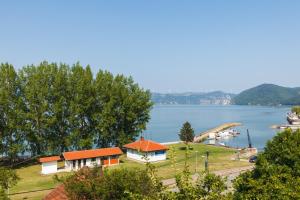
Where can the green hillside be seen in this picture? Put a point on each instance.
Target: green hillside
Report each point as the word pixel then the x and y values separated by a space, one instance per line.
pixel 268 94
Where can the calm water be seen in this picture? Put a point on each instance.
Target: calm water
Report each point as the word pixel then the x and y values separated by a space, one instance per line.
pixel 166 121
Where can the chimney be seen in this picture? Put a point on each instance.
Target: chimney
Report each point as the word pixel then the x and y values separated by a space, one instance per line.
pixel 142 138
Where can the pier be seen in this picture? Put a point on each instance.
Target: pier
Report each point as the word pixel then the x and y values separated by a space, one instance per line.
pixel 202 136
pixel 286 126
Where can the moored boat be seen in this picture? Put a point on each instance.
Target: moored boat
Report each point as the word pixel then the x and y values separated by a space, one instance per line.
pixel 293 119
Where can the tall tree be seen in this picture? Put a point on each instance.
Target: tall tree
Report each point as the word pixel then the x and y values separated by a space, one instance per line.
pixel 59 101
pixel 11 114
pixel 82 107
pixel 122 109
pixel 36 85
pixel 53 108
pixel 186 133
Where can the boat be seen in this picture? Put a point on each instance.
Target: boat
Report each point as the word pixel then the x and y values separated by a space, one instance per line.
pixel 293 118
pixel 226 134
pixel 222 144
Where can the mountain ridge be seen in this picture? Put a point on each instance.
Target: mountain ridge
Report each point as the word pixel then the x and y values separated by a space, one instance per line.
pixel 269 95
pixel 202 98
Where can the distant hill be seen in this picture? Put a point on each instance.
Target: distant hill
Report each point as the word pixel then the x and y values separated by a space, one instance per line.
pixel 216 98
pixel 268 94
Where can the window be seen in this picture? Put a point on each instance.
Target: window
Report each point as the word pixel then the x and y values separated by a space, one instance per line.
pixel 114 157
pixel 84 162
pixel 74 163
pixel 159 153
pixel 93 159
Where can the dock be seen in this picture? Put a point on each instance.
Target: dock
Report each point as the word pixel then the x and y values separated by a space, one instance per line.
pixel 286 126
pixel 202 136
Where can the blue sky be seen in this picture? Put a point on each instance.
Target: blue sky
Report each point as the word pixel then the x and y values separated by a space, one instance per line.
pixel 167 46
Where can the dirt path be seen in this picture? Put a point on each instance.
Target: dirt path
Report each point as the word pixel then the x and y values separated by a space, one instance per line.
pixel 231 174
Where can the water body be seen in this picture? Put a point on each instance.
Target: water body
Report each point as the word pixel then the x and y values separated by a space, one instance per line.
pixel 166 121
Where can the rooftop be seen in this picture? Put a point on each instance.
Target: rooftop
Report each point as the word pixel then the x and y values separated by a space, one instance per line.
pixel 146 145
pixel 93 153
pixel 49 159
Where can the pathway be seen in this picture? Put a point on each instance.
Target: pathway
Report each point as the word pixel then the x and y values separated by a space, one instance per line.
pixel 231 174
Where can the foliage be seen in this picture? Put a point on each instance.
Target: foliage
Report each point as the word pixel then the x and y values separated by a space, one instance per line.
pixel 109 184
pixel 54 108
pixel 268 94
pixel 3 195
pixel 125 109
pixel 11 113
pixel 8 178
pixel 277 171
pixel 296 109
pixel 186 133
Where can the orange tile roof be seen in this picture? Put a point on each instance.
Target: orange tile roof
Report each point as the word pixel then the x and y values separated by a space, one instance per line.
pixel 58 193
pixel 49 159
pixel 93 153
pixel 146 145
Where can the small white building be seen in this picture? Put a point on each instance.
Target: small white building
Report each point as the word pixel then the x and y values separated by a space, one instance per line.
pixel 49 164
pixel 146 151
pixel 75 160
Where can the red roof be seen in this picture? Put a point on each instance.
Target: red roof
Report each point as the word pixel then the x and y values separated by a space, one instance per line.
pixel 146 145
pixel 49 159
pixel 93 153
pixel 58 193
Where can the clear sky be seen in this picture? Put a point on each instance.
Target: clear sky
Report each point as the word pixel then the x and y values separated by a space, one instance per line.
pixel 167 46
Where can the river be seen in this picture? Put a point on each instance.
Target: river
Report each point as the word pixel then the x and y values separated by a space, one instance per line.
pixel 166 121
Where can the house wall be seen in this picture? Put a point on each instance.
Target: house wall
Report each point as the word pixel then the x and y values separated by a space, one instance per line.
pixel 89 163
pixel 49 167
pixel 152 156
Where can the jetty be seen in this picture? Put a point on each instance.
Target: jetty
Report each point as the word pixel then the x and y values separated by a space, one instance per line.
pixel 202 136
pixel 286 126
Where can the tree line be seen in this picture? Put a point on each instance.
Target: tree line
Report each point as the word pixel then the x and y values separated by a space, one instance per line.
pixel 50 108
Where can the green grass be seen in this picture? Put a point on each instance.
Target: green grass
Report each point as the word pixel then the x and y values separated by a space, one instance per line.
pixel 32 180
pixel 219 158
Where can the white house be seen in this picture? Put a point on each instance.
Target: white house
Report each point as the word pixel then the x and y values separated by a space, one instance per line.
pixel 102 157
pixel 146 151
pixel 75 160
pixel 49 164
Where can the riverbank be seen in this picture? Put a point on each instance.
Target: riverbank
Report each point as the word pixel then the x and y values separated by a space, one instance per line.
pixel 202 136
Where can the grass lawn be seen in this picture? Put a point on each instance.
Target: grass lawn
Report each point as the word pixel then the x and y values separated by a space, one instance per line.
pixel 219 158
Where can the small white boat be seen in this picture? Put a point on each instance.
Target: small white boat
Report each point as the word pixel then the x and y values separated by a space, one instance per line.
pixel 226 134
pixel 222 143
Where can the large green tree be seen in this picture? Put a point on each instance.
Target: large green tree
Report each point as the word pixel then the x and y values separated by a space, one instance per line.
pixel 52 108
pixel 59 101
pixel 82 107
pixel 37 83
pixel 122 109
pixel 11 113
pixel 277 171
